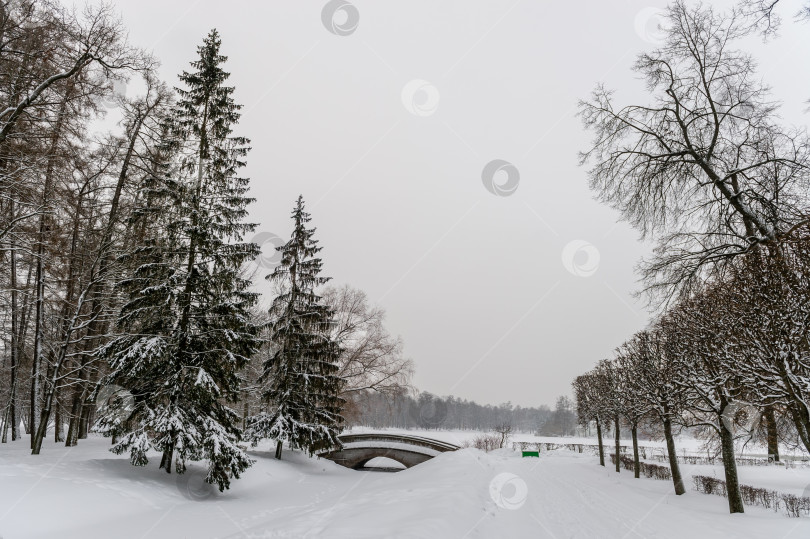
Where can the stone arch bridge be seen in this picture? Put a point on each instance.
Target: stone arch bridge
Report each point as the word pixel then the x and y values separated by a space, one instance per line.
pixel 408 450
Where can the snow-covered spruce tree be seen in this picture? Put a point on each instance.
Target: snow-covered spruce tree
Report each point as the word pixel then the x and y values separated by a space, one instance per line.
pixel 184 331
pixel 303 384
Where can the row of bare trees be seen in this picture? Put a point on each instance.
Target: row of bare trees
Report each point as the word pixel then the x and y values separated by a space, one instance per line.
pixel 65 200
pixel 751 384
pixel 707 170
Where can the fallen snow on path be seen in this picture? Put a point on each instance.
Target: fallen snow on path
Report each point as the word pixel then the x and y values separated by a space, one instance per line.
pixel 87 492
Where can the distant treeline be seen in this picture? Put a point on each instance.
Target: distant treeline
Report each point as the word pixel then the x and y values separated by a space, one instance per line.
pixel 427 411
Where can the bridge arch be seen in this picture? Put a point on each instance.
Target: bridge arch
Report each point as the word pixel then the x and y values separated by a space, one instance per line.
pixel 359 449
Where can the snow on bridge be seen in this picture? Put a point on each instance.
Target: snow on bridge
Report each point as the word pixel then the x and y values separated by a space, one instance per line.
pixel 359 449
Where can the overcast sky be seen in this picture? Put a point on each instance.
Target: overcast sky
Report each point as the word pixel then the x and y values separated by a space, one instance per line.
pixel 386 127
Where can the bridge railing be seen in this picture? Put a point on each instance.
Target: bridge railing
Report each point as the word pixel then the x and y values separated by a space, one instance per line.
pixel 398 438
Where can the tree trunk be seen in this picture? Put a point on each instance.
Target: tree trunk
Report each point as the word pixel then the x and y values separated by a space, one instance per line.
pixel 601 446
pixel 735 503
pixel 677 480
pixel 773 438
pixel 33 407
pixel 57 418
pixel 42 426
pixel 618 442
pixel 80 409
pixel 4 426
pixel 25 311
pixel 53 383
pixel 40 271
pixel 77 427
pixel 87 418
pixel 798 413
pixel 75 412
pixel 279 445
pixel 15 347
pixel 636 463
pixel 166 460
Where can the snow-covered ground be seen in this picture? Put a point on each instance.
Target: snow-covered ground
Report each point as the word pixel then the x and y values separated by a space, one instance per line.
pixel 87 492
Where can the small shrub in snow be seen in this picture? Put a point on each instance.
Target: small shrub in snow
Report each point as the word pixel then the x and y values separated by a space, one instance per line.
pixel 485 442
pixel 653 471
pixel 794 506
pixel 710 485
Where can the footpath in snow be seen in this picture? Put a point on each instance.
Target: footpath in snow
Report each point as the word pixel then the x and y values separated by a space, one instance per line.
pixel 87 492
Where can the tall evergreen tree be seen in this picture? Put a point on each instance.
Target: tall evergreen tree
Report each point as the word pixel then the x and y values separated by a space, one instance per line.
pixel 185 328
pixel 302 372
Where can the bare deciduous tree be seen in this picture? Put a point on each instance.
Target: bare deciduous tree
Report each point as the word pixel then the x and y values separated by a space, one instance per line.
pixel 589 396
pixel 371 359
pixel 708 373
pixel 653 382
pixel 504 430
pixel 704 166
pixel 56 64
